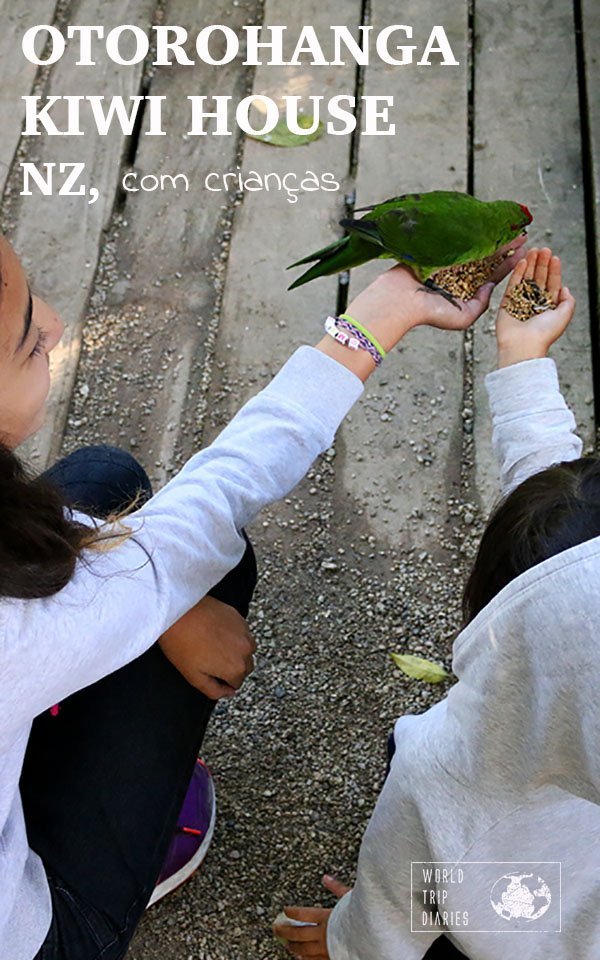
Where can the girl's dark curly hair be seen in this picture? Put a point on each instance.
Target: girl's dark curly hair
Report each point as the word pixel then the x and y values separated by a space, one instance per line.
pixel 547 513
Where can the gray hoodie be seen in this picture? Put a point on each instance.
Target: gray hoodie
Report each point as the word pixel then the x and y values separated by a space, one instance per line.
pixel 498 784
pixel 116 606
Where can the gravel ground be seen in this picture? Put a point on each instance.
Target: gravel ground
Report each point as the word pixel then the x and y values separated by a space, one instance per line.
pixel 299 755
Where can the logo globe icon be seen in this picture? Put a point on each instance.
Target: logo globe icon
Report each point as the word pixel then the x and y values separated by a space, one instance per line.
pixel 518 896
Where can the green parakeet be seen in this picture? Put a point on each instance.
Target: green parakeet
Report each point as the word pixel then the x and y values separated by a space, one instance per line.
pixel 424 231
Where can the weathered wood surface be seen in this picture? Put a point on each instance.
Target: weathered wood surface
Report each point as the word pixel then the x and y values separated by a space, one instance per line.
pixel 404 441
pixel 70 224
pixel 528 148
pixel 261 321
pixel 17 74
pixel 591 49
pixel 162 283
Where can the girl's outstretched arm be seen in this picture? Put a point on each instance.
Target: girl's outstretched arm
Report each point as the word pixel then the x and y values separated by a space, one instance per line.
pixel 187 536
pixel 532 426
pixel 185 539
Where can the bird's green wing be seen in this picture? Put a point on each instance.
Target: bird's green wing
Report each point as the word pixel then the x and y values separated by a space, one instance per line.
pixel 388 237
pixel 367 229
pixel 442 229
pixel 409 227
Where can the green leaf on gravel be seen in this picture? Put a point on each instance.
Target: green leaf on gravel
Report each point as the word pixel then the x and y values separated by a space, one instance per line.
pixel 418 668
pixel 282 136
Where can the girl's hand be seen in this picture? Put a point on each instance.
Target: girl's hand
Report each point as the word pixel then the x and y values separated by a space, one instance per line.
pixel 529 339
pixel 396 301
pixel 212 648
pixel 310 941
pixel 437 312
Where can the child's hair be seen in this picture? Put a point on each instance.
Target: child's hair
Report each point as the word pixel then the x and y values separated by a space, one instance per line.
pixel 39 542
pixel 547 513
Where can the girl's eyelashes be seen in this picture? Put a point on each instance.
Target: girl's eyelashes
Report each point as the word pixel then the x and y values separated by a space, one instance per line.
pixel 40 344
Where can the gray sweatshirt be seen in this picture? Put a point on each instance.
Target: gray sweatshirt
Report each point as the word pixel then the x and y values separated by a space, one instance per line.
pixel 115 609
pixel 498 784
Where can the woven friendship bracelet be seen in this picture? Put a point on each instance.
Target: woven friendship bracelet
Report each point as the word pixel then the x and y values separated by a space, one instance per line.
pixel 346 339
pixel 340 328
pixel 367 333
pixel 350 336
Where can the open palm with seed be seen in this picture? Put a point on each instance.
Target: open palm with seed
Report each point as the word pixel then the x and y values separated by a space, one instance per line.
pixel 530 339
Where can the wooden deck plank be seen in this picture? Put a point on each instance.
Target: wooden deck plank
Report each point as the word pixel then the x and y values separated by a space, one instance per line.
pixel 591 47
pixel 70 224
pixel 404 470
pixel 261 322
pixel 157 314
pixel 16 73
pixel 528 148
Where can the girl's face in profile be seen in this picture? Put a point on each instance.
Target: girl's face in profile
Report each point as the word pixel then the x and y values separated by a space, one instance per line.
pixel 29 329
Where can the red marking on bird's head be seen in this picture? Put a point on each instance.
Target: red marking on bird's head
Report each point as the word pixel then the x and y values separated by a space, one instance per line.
pixel 526 212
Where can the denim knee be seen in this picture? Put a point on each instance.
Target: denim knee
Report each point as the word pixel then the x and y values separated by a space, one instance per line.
pixel 100 479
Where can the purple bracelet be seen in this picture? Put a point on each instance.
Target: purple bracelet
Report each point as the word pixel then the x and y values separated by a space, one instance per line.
pixel 350 336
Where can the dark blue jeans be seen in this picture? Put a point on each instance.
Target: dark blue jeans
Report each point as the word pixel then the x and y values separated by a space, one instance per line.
pixel 103 781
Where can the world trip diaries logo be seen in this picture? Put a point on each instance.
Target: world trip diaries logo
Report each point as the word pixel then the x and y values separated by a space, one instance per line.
pixel 486 896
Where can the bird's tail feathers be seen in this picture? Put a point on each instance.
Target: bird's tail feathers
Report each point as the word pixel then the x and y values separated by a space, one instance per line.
pixel 320 254
pixel 342 259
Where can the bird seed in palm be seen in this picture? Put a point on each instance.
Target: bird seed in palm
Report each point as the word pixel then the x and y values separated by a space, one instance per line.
pixel 526 299
pixel 464 280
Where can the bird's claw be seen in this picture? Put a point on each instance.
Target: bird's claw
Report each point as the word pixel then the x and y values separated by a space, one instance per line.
pixel 431 287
